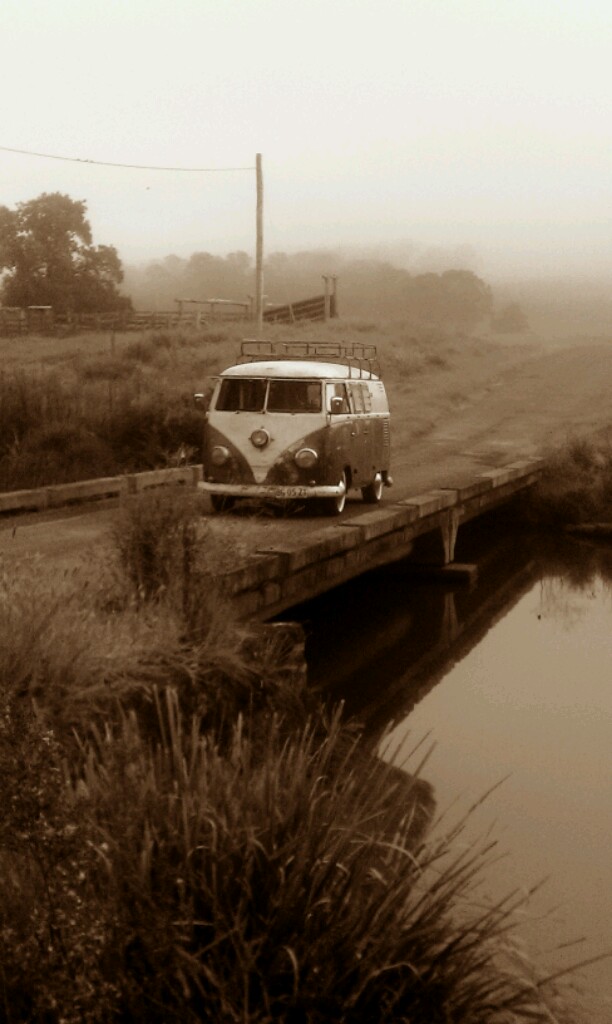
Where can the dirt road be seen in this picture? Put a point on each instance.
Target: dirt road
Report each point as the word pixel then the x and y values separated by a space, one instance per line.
pixel 516 411
pixel 484 410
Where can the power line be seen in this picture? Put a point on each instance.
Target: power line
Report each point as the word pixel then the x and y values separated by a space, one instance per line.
pixel 110 163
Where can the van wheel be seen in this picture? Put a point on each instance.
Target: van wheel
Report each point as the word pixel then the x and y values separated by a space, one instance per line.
pixel 222 502
pixel 373 492
pixel 335 506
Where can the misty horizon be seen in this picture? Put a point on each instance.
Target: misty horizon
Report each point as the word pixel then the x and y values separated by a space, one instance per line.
pixel 464 127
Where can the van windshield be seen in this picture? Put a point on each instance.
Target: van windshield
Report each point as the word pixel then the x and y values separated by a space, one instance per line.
pixel 241 395
pixel 294 396
pixel 249 395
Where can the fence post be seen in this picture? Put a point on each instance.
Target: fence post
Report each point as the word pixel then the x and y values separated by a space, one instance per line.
pixel 327 308
pixel 334 297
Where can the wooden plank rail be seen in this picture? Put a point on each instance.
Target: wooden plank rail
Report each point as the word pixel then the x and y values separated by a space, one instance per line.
pixel 39 499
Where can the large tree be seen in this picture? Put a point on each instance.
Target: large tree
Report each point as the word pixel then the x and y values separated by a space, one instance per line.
pixel 49 259
pixel 455 298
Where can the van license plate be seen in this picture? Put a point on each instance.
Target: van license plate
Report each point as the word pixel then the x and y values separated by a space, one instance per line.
pixel 292 492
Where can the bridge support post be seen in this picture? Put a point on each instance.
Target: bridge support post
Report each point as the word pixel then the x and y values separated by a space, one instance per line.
pixel 437 547
pixel 450 528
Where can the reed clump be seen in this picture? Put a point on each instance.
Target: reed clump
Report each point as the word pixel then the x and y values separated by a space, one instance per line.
pixel 173 881
pixel 576 484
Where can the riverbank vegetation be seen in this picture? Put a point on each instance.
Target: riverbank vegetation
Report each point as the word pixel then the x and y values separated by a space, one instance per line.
pixel 188 833
pixel 98 405
pixel 575 488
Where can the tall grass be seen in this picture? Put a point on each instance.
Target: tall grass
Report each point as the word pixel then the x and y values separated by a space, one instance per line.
pixel 125 409
pixel 267 883
pixel 576 485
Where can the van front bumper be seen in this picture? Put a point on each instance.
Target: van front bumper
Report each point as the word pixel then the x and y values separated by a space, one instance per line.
pixel 273 491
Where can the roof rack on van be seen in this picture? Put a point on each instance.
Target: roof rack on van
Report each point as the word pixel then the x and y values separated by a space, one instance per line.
pixel 357 357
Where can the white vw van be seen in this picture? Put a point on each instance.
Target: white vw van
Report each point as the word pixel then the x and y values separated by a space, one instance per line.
pixel 306 421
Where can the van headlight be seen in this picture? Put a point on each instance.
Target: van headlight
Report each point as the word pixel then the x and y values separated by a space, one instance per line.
pixel 260 438
pixel 306 458
pixel 219 455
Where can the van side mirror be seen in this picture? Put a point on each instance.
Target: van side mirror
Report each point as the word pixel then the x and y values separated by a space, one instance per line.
pixel 336 405
pixel 199 400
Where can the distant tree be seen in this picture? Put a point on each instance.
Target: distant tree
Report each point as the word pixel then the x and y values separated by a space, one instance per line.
pixel 456 298
pixel 511 319
pixel 469 299
pixel 48 257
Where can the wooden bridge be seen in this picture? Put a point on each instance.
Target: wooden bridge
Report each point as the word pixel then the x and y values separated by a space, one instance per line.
pixel 420 530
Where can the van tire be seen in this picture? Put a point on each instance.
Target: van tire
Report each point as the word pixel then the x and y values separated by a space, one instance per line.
pixel 335 506
pixel 222 502
pixel 373 492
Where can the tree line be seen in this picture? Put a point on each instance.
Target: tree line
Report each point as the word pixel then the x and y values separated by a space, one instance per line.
pixel 366 288
pixel 48 258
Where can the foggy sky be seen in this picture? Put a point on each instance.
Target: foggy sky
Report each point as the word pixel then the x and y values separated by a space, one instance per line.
pixel 447 123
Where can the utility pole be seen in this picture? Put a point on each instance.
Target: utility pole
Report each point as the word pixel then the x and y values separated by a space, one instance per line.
pixel 259 247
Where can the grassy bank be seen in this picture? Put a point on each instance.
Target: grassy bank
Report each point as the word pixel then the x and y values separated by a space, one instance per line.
pixel 91 406
pixel 189 834
pixel 576 485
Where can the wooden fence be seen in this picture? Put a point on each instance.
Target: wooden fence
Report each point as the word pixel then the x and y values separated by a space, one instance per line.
pixel 15 322
pixel 319 307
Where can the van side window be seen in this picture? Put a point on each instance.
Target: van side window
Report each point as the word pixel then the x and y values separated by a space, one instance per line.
pixel 337 390
pixel 360 397
pixel 241 395
pixel 356 397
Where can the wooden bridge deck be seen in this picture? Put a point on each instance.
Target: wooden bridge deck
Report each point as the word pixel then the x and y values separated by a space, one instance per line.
pixel 422 528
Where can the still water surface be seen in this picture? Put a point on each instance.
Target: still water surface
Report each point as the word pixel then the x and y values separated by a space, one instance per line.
pixel 520 689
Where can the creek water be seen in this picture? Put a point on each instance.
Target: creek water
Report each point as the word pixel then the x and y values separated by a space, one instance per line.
pixel 510 680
